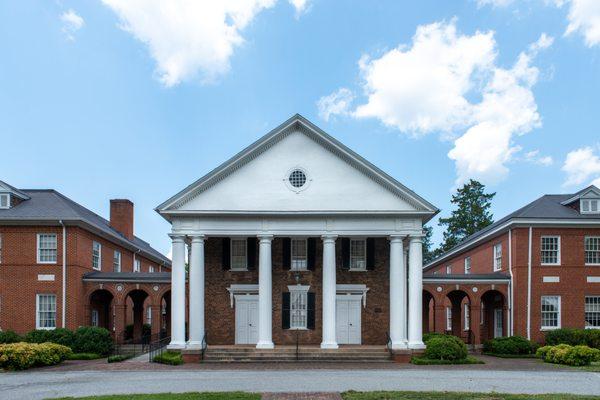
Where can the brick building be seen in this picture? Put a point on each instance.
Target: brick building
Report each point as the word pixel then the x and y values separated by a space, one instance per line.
pixel 61 265
pixel 534 270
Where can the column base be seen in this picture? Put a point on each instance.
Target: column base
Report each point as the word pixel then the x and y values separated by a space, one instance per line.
pixel 193 345
pixel 265 345
pixel 416 345
pixel 400 345
pixel 329 345
pixel 176 346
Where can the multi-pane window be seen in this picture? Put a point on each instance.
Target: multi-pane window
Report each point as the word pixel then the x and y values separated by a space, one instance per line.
pixel 151 269
pixel 448 318
pixel 238 254
pixel 137 266
pixel 498 257
pixel 117 261
pixel 149 315
pixel 468 265
pixel 96 255
pixel 481 313
pixel 550 250
pixel 590 206
pixel 358 254
pixel 592 250
pixel 550 312
pixel 298 254
pixel 45 311
pixel 46 253
pixel 4 200
pixel 467 317
pixel 298 309
pixel 448 269
pixel 592 312
pixel 95 318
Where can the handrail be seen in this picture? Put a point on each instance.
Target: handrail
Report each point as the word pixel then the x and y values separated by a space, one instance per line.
pixel 204 345
pixel 389 344
pixel 297 344
pixel 156 348
pixel 134 346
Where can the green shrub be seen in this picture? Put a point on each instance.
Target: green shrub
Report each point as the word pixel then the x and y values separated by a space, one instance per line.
pixel 446 347
pixel 574 337
pixel 169 357
pixel 117 358
pixel 9 337
pixel 558 353
pixel 510 345
pixel 542 351
pixel 85 356
pixel 61 336
pixel 90 339
pixel 569 355
pixel 431 335
pixel 18 356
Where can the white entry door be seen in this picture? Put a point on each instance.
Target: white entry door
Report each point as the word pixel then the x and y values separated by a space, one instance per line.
pixel 498 322
pixel 348 322
pixel 246 319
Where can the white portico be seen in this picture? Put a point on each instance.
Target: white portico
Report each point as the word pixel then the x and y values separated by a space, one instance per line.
pixel 297 182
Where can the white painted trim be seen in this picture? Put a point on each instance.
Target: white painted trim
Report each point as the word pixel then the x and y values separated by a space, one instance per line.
pixel 529 283
pixel 558 255
pixel 241 289
pixel 511 286
pixel 584 250
pixel 498 267
pixel 466 281
pixel 551 279
pixel 38 249
pixel 46 277
pixel 7 196
pixel 559 318
pixel 64 276
pixel 37 311
pixel 593 279
pixel 94 243
pixel 353 289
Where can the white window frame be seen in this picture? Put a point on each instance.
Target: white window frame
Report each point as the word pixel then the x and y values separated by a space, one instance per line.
pixel 5 196
pixel 585 250
pixel 39 260
pixel 467 313
pixel 38 311
pixel 297 262
pixel 357 258
pixel 468 265
pixel 589 203
pixel 151 269
pixel 481 313
pixel 596 306
pixel 245 264
pixel 558 251
pixel 117 261
pixel 558 316
pixel 137 265
pixel 498 257
pixel 149 315
pixel 449 269
pixel 298 316
pixel 95 318
pixel 97 247
pixel 448 318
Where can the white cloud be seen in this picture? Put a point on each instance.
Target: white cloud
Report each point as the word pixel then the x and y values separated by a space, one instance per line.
pixel 534 157
pixel 494 3
pixel 72 22
pixel 188 38
pixel 584 18
pixel 449 82
pixel 582 167
pixel 301 6
pixel 337 103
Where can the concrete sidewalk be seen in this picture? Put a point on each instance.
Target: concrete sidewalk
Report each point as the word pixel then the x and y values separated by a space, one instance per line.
pixel 49 384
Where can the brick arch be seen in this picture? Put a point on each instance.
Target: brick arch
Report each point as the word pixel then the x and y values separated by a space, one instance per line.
pixel 99 286
pixel 162 291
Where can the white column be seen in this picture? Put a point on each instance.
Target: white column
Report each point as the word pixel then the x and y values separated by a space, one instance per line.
pixel 397 294
pixel 265 297
pixel 415 293
pixel 196 282
pixel 178 293
pixel 329 292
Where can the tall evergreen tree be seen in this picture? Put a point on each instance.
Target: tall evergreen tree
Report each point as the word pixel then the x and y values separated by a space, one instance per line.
pixel 429 253
pixel 472 213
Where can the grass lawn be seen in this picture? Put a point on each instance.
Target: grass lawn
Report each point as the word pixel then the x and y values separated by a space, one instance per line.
pixel 175 396
pixel 510 355
pixel 456 396
pixel 427 361
pixel 594 367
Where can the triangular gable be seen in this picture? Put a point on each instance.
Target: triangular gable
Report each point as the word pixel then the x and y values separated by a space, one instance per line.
pixel 590 192
pixel 297 124
pixel 6 188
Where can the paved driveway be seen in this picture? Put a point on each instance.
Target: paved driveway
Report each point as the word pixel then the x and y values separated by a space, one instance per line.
pixel 45 384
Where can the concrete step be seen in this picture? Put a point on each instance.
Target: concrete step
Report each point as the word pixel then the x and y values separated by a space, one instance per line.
pixel 311 354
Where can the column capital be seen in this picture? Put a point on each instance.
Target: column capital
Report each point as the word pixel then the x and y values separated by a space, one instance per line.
pixel 396 238
pixel 265 237
pixel 197 238
pixel 177 237
pixel 416 238
pixel 328 238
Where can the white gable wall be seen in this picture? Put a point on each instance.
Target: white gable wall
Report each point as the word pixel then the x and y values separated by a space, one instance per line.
pixel 334 185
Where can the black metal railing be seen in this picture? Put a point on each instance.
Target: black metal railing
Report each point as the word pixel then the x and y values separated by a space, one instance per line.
pixel 135 346
pixel 297 344
pixel 157 348
pixel 389 344
pixel 204 345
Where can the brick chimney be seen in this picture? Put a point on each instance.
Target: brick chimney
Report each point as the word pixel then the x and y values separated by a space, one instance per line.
pixel 121 216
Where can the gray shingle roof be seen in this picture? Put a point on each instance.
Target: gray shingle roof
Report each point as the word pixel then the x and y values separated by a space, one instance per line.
pixel 50 205
pixel 128 276
pixel 467 277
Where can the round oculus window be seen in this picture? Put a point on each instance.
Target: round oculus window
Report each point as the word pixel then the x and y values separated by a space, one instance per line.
pixel 297 178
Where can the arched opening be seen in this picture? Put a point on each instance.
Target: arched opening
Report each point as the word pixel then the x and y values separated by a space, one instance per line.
pixel 101 310
pixel 493 315
pixel 165 315
pixel 458 315
pixel 137 326
pixel 428 312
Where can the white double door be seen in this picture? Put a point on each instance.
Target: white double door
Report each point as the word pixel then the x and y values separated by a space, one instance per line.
pixel 348 321
pixel 246 319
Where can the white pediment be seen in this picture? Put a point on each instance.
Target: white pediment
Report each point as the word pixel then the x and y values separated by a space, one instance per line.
pixel 338 181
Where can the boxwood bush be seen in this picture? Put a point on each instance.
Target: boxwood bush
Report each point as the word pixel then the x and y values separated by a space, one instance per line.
pixel 431 335
pixel 445 347
pixel 569 355
pixel 9 337
pixel 18 356
pixel 169 357
pixel 60 336
pixel 90 339
pixel 574 337
pixel 514 345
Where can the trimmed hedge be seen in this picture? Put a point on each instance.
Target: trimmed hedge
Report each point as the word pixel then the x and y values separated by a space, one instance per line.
pixel 169 357
pixel 574 337
pixel 514 345
pixel 569 355
pixel 18 356
pixel 60 336
pixel 90 339
pixel 85 356
pixel 10 337
pixel 118 358
pixel 445 347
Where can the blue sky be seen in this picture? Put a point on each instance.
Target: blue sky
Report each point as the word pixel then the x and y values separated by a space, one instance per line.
pixel 105 99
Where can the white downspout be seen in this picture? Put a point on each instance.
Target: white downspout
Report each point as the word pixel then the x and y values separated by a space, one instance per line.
pixel 510 286
pixel 64 274
pixel 529 285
